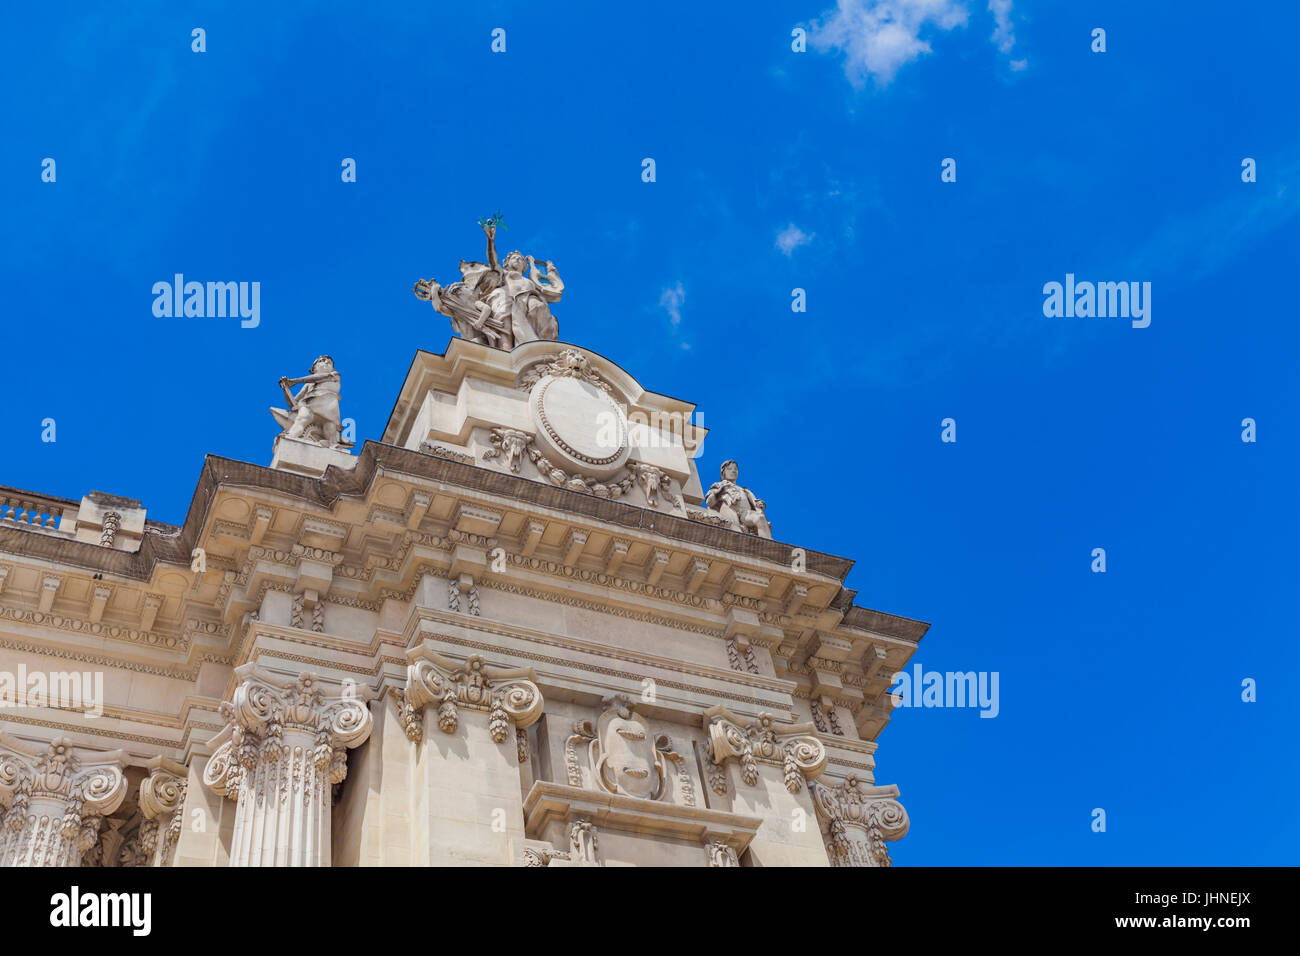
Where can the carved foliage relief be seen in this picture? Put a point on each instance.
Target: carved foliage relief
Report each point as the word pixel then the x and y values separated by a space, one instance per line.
pixel 799 753
pixel 858 819
pixel 509 695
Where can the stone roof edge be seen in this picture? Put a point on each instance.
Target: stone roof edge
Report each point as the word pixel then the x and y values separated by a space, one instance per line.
pixel 174 546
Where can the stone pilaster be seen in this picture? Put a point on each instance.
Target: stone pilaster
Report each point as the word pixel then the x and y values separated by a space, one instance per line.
pixel 54 799
pixel 162 799
pixel 762 767
pixel 462 718
pixel 858 819
pixel 283 748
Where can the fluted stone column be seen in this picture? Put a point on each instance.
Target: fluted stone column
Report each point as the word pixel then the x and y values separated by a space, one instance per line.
pixel 54 800
pixel 858 820
pixel 283 748
pixel 162 799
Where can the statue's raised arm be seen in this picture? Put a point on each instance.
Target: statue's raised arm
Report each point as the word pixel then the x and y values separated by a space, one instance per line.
pixel 550 286
pixel 490 230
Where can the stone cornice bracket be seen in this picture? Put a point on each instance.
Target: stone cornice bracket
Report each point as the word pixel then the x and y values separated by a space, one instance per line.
pixel 859 819
pixel 509 694
pixel 794 746
pixel 53 800
pixel 266 707
pixel 162 800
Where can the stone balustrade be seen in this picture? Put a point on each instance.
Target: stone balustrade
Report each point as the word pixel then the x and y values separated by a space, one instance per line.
pixel 32 510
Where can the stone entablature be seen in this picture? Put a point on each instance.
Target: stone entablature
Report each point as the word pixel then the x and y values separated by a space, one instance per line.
pixel 641 676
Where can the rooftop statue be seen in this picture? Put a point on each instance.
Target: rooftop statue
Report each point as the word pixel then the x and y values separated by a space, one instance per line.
pixel 738 505
pixel 498 303
pixel 313 414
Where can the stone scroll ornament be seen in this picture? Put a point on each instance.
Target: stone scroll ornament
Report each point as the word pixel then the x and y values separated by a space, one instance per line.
pixel 794 747
pixel 53 800
pixel 502 303
pixel 858 819
pixel 508 694
pixel 284 745
pixel 162 802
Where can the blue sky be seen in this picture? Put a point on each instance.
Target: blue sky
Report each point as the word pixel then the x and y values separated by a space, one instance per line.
pixel 775 170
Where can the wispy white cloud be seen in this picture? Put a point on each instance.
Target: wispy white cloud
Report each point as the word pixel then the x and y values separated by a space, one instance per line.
pixel 1004 34
pixel 791 238
pixel 671 300
pixel 1018 65
pixel 878 37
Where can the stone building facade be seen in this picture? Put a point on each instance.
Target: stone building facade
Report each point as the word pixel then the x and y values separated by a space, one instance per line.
pixel 516 630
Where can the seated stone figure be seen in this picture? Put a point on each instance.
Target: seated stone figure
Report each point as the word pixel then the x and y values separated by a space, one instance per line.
pixel 738 505
pixel 313 413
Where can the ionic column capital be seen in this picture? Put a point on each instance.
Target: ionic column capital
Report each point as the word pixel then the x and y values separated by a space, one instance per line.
pixel 794 746
pixel 54 797
pixel 858 820
pixel 284 744
pixel 266 707
pixel 510 695
pixel 162 800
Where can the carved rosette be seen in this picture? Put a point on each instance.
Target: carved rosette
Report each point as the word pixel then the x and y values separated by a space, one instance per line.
pixel 794 747
pixel 162 803
pixel 53 800
pixel 285 744
pixel 857 820
pixel 509 695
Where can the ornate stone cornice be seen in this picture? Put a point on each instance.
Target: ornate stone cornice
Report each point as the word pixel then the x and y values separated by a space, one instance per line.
pixel 174 545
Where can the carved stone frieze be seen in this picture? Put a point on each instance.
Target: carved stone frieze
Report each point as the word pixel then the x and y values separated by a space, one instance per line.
pixel 441 451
